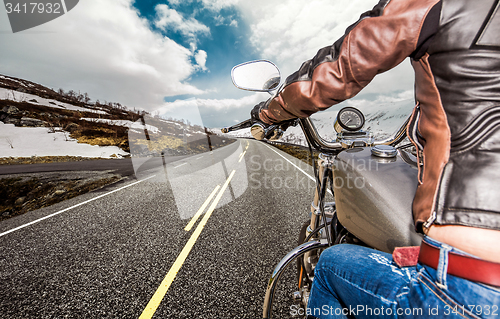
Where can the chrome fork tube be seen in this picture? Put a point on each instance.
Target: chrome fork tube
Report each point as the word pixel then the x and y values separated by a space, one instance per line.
pixel 315 220
pixel 325 164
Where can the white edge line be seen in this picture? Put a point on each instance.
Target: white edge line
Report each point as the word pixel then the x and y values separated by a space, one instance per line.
pixel 300 169
pixel 66 209
pixel 64 6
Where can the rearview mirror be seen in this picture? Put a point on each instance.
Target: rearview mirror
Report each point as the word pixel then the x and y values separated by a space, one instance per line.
pixel 259 76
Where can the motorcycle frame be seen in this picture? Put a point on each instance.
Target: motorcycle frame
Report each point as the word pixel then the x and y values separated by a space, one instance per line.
pixel 325 174
pixel 328 151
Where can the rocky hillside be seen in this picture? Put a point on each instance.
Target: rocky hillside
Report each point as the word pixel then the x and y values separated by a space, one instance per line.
pixel 383 117
pixel 27 104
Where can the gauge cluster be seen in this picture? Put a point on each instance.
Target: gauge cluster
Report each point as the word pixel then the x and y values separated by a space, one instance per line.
pixel 348 125
pixel 349 119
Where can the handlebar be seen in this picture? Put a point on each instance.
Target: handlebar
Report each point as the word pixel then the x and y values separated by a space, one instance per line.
pixel 239 126
pixel 397 137
pixel 316 141
pixel 266 132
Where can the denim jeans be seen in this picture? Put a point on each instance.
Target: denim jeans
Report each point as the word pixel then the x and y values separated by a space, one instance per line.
pixel 354 281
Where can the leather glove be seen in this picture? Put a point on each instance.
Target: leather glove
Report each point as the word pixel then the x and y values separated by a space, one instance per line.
pixel 261 130
pixel 254 114
pixel 255 117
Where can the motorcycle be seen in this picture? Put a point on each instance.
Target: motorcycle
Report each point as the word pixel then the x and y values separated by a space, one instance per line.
pixel 373 210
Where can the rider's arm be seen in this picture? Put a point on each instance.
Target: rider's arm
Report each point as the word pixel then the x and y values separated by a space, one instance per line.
pixel 381 39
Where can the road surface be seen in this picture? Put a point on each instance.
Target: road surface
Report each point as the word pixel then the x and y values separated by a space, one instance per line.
pixel 124 252
pixel 124 167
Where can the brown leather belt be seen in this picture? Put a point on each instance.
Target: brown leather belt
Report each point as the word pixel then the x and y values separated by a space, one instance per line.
pixel 465 267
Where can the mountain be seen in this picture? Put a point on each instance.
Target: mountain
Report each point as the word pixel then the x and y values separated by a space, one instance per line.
pixel 39 121
pixel 383 117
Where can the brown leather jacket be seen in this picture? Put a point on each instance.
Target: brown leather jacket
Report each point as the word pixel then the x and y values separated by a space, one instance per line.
pixel 455 51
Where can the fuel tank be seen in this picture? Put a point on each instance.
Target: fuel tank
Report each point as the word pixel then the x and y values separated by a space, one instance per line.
pixel 373 197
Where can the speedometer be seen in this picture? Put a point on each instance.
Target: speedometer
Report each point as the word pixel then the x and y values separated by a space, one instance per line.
pixel 349 119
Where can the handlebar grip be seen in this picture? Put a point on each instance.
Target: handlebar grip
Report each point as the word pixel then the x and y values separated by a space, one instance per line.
pixel 260 132
pixel 238 126
pixel 268 131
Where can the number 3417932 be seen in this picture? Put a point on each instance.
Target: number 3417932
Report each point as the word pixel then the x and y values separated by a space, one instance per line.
pixel 33 7
pixel 477 310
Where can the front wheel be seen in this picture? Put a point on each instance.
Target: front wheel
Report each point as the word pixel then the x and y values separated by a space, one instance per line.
pixel 305 269
pixel 301 279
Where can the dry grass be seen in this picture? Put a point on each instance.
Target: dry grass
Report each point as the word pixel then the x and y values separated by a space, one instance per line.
pixel 23 194
pixel 103 141
pixel 161 143
pixel 93 133
pixel 44 159
pixel 297 151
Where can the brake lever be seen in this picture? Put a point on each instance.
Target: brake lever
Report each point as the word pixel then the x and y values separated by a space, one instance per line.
pixel 260 131
pixel 239 126
pixel 268 132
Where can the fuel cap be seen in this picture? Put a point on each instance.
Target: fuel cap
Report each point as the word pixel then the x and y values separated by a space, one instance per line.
pixel 384 151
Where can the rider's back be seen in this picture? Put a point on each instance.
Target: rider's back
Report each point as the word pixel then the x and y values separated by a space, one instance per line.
pixel 458 89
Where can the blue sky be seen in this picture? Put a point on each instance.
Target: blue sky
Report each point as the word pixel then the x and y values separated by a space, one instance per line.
pixel 225 45
pixel 174 57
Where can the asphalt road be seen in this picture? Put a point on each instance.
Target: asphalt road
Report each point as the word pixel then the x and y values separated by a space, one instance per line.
pixel 106 253
pixel 124 167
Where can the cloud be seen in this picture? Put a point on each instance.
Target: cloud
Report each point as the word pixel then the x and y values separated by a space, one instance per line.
pixel 217 112
pixel 174 2
pixel 226 20
pixel 103 48
pixel 211 5
pixel 290 32
pixel 201 59
pixel 295 30
pixel 106 49
pixel 168 18
pixel 218 5
pixel 245 103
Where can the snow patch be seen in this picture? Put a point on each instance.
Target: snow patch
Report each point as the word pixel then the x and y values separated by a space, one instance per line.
pixel 12 95
pixel 36 141
pixel 10 79
pixel 132 125
pixel 383 118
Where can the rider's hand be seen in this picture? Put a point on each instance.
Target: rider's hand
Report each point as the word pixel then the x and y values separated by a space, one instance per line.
pixel 259 129
pixel 254 114
pixel 265 129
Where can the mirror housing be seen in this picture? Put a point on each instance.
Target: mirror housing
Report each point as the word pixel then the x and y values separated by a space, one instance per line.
pixel 257 76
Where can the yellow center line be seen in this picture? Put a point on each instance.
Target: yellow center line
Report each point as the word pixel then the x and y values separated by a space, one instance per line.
pixel 242 155
pixel 202 208
pixel 169 278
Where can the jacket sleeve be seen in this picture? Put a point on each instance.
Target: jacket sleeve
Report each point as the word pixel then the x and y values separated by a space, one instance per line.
pixel 380 40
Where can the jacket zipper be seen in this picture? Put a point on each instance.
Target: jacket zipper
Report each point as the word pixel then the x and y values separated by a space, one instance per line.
pixel 414 135
pixel 430 220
